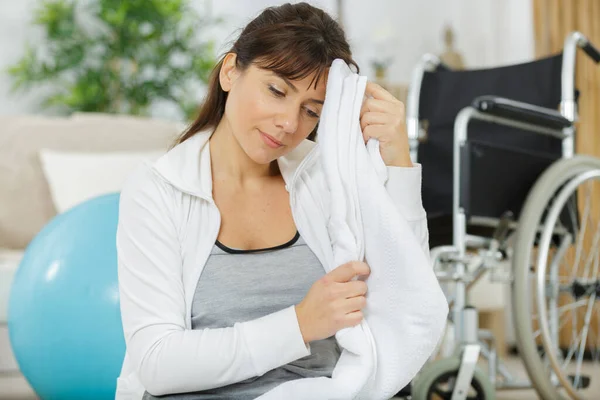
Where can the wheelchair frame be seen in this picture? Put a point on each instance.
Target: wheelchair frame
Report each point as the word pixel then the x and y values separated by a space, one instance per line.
pixel 467 335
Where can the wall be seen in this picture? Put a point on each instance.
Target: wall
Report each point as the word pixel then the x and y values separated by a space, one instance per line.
pixel 14 33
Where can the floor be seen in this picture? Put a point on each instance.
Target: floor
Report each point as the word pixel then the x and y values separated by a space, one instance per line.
pixel 14 386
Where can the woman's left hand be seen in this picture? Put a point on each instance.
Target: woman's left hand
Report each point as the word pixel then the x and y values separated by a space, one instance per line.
pixel 382 117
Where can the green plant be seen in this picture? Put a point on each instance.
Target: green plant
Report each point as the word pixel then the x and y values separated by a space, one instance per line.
pixel 117 56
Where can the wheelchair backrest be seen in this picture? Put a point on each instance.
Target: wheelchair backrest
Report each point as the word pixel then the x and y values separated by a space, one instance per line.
pixel 500 163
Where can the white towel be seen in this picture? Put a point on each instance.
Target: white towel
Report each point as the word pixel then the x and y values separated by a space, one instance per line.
pixel 406 309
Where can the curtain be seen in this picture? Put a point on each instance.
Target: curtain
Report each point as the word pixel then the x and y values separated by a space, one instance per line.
pixel 553 20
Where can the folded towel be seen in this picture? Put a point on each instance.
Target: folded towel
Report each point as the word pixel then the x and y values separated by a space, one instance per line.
pixel 406 309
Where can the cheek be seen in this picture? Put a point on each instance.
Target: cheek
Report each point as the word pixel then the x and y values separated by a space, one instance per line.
pixel 262 107
pixel 246 110
pixel 307 126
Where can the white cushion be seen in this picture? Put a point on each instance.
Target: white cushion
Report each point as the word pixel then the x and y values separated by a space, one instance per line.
pixel 25 201
pixel 74 177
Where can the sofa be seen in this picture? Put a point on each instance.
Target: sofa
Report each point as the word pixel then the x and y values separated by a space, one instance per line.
pixel 49 164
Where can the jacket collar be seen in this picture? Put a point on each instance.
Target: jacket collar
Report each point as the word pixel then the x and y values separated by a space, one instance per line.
pixel 187 166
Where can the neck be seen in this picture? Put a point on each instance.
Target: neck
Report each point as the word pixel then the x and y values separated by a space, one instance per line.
pixel 229 161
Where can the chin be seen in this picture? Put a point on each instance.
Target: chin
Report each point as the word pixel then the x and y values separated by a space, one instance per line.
pixel 262 156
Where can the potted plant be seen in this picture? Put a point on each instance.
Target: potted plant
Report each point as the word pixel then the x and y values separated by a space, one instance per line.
pixel 115 56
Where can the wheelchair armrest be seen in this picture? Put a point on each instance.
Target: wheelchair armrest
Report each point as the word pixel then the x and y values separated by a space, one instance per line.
pixel 521 112
pixel 593 52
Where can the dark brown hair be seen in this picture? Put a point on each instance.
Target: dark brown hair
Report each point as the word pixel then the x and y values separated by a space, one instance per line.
pixel 292 40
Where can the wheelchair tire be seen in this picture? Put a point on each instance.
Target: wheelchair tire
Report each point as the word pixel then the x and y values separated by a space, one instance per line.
pixel 522 297
pixel 426 384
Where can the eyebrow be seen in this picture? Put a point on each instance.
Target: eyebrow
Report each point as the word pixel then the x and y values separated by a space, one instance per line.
pixel 295 89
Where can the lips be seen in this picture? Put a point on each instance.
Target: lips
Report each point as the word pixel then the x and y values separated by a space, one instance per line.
pixel 270 140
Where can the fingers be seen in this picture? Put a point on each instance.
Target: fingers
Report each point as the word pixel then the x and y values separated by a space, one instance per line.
pixel 378 118
pixel 354 288
pixel 354 304
pixel 382 119
pixel 377 105
pixel 354 318
pixel 348 271
pixel 377 92
pixel 379 132
pixel 343 273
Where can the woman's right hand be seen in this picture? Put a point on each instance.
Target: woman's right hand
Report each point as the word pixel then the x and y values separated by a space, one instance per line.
pixel 333 302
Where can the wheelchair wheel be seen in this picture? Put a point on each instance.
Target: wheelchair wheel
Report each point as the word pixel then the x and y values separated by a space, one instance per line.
pixel 436 382
pixel 557 279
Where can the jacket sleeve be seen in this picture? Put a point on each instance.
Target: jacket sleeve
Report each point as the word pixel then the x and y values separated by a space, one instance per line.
pixel 168 357
pixel 404 187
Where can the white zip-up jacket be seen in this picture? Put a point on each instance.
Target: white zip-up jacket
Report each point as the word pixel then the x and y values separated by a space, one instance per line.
pixel 168 223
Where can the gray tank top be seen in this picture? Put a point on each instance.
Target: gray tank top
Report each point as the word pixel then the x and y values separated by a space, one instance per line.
pixel 242 285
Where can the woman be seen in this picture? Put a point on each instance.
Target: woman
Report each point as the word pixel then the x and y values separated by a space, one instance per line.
pixel 223 292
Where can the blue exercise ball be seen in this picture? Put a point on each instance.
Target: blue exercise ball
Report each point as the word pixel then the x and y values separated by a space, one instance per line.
pixel 64 320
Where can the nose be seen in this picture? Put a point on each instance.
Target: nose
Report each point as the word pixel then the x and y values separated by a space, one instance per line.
pixel 287 120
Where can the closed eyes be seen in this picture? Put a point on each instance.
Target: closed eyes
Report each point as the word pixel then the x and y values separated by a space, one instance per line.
pixel 277 93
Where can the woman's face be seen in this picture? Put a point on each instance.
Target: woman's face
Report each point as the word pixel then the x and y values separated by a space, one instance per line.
pixel 268 114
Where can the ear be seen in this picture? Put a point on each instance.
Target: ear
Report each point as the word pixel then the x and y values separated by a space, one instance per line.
pixel 229 72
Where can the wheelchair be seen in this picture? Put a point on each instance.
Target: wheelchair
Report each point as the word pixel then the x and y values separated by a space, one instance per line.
pixel 502 186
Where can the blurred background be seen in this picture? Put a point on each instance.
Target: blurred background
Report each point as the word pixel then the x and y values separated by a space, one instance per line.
pixel 89 89
pixel 386 33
